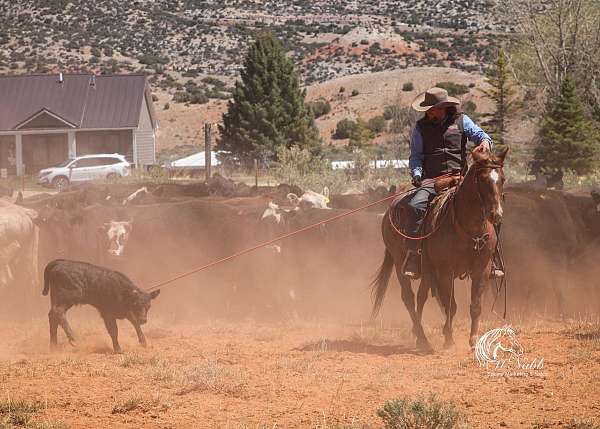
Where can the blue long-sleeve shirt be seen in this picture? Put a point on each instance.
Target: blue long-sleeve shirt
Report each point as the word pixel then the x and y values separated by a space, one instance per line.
pixel 415 161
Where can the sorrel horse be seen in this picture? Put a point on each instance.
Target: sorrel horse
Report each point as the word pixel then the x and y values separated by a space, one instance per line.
pixel 460 241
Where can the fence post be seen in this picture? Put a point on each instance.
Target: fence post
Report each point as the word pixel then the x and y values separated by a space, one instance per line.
pixel 256 173
pixel 207 150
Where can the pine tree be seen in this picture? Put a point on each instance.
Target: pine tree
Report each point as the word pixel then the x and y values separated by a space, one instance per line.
pixel 568 140
pixel 268 109
pixel 502 94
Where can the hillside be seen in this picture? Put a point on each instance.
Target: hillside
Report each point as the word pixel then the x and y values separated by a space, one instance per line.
pixel 191 49
pixel 176 40
pixel 181 125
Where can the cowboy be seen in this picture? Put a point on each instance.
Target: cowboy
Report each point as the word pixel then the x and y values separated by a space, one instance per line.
pixel 437 147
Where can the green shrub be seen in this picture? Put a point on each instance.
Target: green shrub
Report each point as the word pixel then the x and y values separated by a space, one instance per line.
pixel 361 135
pixel 408 86
pixel 355 92
pixel 344 128
pixel 454 89
pixel 469 107
pixel 420 413
pixel 376 124
pixel 296 166
pixel 214 82
pixel 390 111
pixel 319 107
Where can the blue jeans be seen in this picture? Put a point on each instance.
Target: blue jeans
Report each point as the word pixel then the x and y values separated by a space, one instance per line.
pixel 417 207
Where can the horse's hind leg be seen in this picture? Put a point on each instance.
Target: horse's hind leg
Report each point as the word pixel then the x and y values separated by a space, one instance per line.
pixel 408 297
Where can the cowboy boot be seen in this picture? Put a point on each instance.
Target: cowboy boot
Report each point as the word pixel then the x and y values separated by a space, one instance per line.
pixel 411 267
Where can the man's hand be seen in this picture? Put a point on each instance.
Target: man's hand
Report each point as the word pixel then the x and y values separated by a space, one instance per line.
pixel 484 146
pixel 417 180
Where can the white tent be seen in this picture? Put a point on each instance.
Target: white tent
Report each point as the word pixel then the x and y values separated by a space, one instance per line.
pixel 196 160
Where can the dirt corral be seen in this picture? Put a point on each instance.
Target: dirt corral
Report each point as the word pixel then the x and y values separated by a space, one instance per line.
pixel 281 337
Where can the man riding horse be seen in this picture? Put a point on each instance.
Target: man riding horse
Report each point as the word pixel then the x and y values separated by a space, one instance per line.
pixel 437 148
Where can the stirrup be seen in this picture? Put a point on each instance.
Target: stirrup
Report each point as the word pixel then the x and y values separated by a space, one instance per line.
pixel 496 273
pixel 411 273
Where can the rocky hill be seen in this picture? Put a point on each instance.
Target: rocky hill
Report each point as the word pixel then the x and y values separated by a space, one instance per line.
pixel 192 49
pixel 183 39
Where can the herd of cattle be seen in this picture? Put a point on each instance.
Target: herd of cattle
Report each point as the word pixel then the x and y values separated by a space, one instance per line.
pixel 157 231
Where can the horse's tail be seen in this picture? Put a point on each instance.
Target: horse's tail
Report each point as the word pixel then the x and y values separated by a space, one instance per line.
pixel 380 284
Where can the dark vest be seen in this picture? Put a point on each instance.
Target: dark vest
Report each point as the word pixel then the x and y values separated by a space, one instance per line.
pixel 441 146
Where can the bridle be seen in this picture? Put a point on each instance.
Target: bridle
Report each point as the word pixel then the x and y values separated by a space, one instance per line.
pixel 480 241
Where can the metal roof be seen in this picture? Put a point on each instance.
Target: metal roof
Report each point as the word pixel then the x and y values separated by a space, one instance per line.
pixel 85 100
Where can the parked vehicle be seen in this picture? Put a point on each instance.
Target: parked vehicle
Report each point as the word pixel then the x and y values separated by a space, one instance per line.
pixel 84 169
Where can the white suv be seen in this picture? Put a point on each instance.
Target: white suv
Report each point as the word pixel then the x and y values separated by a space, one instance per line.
pixel 84 169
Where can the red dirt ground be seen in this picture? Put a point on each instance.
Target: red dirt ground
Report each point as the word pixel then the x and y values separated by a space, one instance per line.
pixel 289 373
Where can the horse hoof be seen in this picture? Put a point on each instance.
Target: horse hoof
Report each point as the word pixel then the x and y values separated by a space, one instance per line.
pixel 472 341
pixel 423 346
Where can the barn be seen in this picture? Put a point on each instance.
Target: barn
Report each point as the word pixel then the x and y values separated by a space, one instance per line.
pixel 47 119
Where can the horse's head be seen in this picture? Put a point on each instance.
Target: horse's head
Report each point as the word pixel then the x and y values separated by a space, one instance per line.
pixel 489 178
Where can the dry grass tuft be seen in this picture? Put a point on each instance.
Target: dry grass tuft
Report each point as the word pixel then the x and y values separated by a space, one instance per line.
pixel 210 376
pixel 20 414
pixel 137 402
pixel 129 360
pixel 128 404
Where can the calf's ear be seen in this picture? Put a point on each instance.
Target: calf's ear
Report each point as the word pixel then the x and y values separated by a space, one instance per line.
pixel 154 294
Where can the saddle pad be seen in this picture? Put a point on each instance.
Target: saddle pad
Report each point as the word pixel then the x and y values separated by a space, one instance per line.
pixel 437 208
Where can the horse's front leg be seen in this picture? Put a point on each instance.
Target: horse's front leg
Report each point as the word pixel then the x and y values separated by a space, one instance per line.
pixel 448 303
pixel 478 284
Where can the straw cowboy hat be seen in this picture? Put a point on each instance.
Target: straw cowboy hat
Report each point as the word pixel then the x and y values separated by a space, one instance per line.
pixel 433 97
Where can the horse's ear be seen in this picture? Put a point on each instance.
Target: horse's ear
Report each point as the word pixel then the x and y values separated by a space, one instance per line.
pixel 478 155
pixel 502 154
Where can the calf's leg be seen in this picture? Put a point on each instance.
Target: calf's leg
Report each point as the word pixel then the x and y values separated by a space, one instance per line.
pixel 53 320
pixel 140 334
pixel 113 331
pixel 57 317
